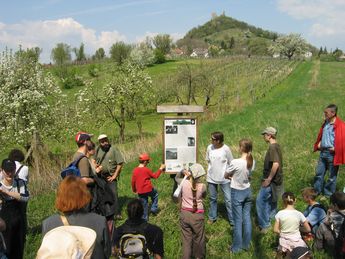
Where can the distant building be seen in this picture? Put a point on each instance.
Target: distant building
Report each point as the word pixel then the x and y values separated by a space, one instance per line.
pixel 177 52
pixel 199 53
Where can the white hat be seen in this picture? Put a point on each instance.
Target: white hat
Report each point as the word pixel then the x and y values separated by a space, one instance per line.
pixel 197 170
pixel 102 136
pixel 67 242
pixel 269 131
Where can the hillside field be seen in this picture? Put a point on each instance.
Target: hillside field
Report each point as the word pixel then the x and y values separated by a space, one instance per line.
pixel 294 107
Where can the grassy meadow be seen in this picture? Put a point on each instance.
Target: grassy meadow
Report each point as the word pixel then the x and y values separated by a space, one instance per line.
pixel 294 107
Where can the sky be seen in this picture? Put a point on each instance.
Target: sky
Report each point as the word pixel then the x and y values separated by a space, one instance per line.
pixel 101 23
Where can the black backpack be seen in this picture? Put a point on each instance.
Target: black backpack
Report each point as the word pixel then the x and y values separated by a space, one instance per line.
pixel 133 242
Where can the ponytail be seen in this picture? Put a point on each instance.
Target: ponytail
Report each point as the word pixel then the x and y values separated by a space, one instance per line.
pixel 195 204
pixel 249 159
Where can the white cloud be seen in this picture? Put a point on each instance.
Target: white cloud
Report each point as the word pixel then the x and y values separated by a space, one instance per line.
pixel 327 16
pixel 46 34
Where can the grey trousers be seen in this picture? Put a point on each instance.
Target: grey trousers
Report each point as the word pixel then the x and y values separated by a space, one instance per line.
pixel 193 234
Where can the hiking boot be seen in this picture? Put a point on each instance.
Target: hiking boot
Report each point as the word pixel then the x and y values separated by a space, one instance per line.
pixel 210 221
pixel 263 230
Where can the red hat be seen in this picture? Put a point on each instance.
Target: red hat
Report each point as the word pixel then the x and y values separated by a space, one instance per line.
pixel 82 136
pixel 144 157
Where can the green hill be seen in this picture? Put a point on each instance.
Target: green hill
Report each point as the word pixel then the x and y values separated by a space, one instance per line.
pixel 230 35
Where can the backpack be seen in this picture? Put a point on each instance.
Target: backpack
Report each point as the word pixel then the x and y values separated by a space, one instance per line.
pixel 133 243
pixel 317 205
pixel 72 168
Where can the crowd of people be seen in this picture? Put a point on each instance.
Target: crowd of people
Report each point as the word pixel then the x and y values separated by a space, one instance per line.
pixel 91 201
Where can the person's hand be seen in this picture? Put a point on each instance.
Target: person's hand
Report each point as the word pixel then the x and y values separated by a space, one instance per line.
pixel 112 177
pixel 99 169
pixel 227 176
pixel 266 182
pixel 162 167
pixel 187 173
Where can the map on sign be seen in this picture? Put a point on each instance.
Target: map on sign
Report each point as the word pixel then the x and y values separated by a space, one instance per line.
pixel 180 143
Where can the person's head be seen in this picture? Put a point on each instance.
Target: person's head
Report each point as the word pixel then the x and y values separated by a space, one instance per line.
pixel 82 139
pixel 217 138
pixel 8 167
pixel 197 171
pixel 330 111
pixel 309 194
pixel 135 209
pixel 337 199
pixel 16 155
pixel 246 146
pixel 91 148
pixel 104 142
pixel 144 158
pixel 72 194
pixel 269 133
pixel 288 198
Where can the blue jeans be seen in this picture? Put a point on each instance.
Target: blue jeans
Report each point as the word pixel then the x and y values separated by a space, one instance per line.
pixel 326 162
pixel 241 201
pixel 266 209
pixel 213 190
pixel 144 197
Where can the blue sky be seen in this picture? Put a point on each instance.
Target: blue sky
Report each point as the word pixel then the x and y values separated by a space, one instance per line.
pixel 103 22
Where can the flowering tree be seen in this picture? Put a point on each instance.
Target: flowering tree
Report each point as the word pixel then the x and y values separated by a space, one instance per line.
pixel 143 55
pixel 29 101
pixel 123 97
pixel 289 45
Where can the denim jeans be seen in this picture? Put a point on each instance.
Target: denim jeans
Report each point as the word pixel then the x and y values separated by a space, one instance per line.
pixel 265 208
pixel 241 201
pixel 144 197
pixel 326 163
pixel 213 190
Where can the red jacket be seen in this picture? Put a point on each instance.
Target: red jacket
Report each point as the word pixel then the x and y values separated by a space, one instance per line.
pixel 339 141
pixel 141 179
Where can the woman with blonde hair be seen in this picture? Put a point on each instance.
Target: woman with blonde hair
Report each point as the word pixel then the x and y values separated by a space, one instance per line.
pixel 72 199
pixel 240 170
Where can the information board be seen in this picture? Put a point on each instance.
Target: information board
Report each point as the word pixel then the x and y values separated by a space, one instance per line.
pixel 180 143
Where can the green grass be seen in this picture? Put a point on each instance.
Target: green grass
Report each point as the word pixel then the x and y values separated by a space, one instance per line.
pixel 295 108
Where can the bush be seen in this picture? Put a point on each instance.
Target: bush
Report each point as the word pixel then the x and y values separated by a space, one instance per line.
pixel 71 80
pixel 159 56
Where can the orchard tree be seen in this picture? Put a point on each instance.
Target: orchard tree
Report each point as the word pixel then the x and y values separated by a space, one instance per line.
pixel 143 55
pixel 289 45
pixel 99 54
pixel 80 53
pixel 120 51
pixel 123 97
pixel 61 54
pixel 30 54
pixel 162 42
pixel 29 102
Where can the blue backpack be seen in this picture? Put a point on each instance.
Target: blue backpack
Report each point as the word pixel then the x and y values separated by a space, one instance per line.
pixel 72 169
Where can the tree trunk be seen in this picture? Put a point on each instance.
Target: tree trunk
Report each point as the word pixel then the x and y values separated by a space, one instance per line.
pixel 140 127
pixel 122 125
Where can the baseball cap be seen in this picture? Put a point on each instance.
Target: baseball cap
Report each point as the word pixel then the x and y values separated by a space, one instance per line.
pixel 82 136
pixel 270 131
pixel 144 157
pixel 102 136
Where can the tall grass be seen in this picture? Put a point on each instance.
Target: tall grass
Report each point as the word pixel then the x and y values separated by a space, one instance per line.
pixel 293 107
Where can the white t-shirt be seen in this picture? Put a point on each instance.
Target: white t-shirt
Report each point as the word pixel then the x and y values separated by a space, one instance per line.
pixel 290 221
pixel 218 163
pixel 240 177
pixel 23 173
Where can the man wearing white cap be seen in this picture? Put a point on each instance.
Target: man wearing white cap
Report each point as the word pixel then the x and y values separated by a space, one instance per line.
pixel 109 163
pixel 272 181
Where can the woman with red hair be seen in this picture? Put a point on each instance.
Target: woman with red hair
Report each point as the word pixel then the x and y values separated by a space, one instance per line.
pixel 71 202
